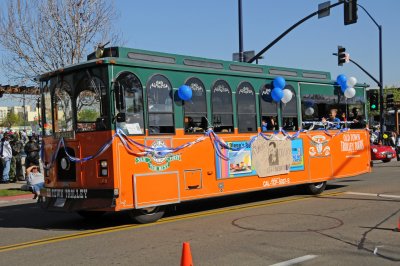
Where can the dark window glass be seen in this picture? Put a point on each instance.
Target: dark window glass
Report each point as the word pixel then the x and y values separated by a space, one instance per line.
pixel 269 109
pixel 160 105
pixel 221 100
pixel 132 90
pixel 246 106
pixel 196 109
pixel 289 112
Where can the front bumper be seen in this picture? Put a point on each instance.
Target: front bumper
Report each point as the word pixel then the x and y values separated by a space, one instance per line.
pixel 76 199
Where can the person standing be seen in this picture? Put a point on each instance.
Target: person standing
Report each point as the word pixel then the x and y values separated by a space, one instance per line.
pixel 32 152
pixel 6 155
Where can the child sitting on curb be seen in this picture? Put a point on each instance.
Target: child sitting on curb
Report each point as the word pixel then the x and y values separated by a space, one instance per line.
pixel 35 180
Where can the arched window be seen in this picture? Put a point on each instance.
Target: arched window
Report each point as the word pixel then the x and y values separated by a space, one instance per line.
pixel 269 109
pixel 289 112
pixel 131 110
pixel 88 104
pixel 47 118
pixel 160 105
pixel 221 100
pixel 62 108
pixel 246 108
pixel 195 110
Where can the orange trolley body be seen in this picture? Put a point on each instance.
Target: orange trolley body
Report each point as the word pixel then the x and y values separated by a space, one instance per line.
pixel 119 178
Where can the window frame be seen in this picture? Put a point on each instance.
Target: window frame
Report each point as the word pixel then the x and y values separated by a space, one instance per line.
pixel 227 113
pixel 199 82
pixel 172 112
pixel 255 107
pixel 124 110
pixel 262 99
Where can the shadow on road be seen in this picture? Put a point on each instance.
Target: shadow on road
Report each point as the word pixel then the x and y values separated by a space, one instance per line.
pixel 32 216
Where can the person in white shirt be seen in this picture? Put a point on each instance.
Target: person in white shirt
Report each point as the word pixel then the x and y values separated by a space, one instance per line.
pixel 35 179
pixel 6 155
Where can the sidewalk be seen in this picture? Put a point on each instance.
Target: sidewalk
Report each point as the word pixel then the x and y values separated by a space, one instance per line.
pixel 16 185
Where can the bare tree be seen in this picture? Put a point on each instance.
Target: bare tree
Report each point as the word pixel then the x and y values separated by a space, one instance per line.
pixel 40 36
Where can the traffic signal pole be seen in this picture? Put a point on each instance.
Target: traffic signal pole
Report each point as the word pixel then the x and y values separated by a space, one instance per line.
pixel 380 83
pixel 289 30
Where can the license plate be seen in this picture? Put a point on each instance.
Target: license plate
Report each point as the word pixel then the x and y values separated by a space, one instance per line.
pixel 389 156
pixel 59 202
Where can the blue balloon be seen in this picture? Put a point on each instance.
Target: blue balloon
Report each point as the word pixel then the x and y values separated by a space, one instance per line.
pixel 309 103
pixel 341 80
pixel 279 82
pixel 343 87
pixel 277 94
pixel 185 92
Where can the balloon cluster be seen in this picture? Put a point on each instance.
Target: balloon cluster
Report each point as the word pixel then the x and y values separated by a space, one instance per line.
pixel 278 93
pixel 347 85
pixel 185 93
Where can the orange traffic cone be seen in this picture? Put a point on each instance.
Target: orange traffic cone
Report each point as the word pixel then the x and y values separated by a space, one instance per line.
pixel 186 259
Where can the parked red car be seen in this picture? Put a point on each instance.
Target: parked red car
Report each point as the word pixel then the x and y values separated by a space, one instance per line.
pixel 383 153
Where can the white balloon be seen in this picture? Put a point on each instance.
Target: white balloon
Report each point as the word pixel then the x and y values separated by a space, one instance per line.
pixel 349 93
pixel 309 111
pixel 287 96
pixel 351 82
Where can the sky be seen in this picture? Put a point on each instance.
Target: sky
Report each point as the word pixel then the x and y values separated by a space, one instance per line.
pixel 209 28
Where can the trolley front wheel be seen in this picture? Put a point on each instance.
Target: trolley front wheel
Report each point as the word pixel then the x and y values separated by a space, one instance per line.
pixel 147 215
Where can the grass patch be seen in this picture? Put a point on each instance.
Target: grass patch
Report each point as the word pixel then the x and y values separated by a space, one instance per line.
pixel 12 192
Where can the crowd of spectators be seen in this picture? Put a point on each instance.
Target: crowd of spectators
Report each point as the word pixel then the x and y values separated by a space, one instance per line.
pixel 15 146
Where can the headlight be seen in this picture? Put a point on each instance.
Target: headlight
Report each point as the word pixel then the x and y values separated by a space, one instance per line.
pixel 104 172
pixel 374 150
pixel 103 164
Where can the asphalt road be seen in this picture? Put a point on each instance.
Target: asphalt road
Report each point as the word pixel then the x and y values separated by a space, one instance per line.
pixel 351 223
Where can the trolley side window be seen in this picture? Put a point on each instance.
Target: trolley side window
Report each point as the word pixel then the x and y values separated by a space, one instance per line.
pixel 269 109
pixel 130 114
pixel 289 112
pixel 195 110
pixel 160 105
pixel 222 109
pixel 246 107
pixel 62 106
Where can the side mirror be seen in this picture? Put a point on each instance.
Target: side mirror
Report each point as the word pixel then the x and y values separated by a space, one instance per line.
pixel 121 117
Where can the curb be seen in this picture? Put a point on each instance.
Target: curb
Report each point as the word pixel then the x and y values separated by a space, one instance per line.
pixel 16 198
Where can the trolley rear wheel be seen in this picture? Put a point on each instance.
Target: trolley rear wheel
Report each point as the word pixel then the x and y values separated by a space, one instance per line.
pixel 315 188
pixel 147 215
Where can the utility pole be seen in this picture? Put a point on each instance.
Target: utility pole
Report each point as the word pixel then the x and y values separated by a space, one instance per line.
pixel 241 56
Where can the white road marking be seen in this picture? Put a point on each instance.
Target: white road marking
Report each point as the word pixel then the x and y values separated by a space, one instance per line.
pixel 296 260
pixel 373 195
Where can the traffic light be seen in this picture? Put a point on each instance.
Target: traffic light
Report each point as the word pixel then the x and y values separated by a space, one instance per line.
pixel 341 55
pixel 350 12
pixel 389 100
pixel 373 101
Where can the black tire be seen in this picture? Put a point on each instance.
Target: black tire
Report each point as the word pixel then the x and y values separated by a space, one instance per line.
pixel 315 188
pixel 147 215
pixel 91 215
pixel 386 160
pixel 372 163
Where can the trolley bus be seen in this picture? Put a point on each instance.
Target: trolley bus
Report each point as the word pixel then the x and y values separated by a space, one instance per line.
pixel 119 136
